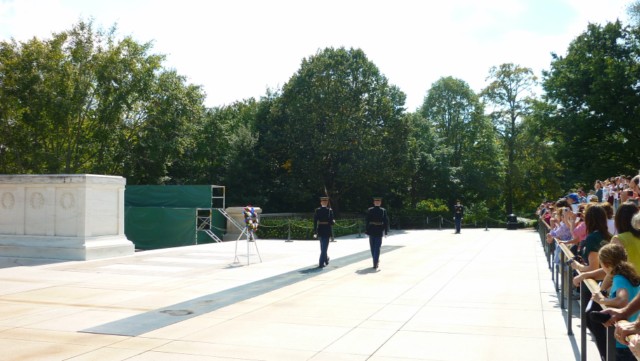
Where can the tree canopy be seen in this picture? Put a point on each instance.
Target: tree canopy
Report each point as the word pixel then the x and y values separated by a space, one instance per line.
pixel 337 123
pixel 509 95
pixel 83 102
pixel 595 90
pixel 87 101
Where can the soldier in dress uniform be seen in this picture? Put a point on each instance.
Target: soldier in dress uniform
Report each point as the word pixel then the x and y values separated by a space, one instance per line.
pixel 458 214
pixel 322 228
pixel 376 223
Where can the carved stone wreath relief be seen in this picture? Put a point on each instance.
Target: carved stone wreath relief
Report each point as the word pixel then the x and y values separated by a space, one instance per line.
pixel 8 200
pixel 37 200
pixel 67 201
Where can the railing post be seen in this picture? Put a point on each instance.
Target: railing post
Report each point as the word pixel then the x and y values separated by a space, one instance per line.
pixel 584 299
pixel 563 270
pixel 568 287
pixel 552 264
pixel 611 344
pixel 548 249
pixel 289 230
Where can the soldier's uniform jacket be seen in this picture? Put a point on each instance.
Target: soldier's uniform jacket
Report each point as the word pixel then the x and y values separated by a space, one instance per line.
pixel 458 211
pixel 376 221
pixel 322 221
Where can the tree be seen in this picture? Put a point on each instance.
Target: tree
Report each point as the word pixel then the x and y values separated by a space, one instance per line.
pixel 84 102
pixel 595 90
pixel 470 165
pixel 161 144
pixel 634 12
pixel 340 130
pixel 426 161
pixel 239 163
pixel 508 95
pixel 483 167
pixel 450 105
pixel 63 99
pixel 539 172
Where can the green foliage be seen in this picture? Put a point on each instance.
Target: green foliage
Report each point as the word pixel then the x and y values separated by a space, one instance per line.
pixel 633 10
pixel 455 147
pixel 85 102
pixel 427 213
pixel 451 105
pixel 424 159
pixel 165 140
pixel 477 213
pixel 539 173
pixel 434 207
pixel 302 228
pixel 337 122
pixel 509 94
pixel 595 91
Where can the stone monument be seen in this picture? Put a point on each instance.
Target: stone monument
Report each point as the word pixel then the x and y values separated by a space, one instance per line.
pixel 62 217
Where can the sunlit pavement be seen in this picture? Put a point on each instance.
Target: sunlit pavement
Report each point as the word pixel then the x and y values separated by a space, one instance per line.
pixel 479 295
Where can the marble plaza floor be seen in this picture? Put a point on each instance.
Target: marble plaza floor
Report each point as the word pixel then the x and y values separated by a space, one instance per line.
pixel 479 295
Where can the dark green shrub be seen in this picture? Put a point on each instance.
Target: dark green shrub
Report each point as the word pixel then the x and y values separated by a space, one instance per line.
pixel 302 228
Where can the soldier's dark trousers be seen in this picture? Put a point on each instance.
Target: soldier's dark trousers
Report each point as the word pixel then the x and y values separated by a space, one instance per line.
pixel 458 224
pixel 375 242
pixel 324 248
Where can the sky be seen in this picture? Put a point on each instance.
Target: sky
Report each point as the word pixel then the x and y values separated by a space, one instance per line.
pixel 238 49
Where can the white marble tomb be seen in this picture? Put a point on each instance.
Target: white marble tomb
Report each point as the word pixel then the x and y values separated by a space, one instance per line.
pixel 62 217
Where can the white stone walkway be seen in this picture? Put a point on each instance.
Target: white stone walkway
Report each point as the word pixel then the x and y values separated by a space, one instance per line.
pixel 481 295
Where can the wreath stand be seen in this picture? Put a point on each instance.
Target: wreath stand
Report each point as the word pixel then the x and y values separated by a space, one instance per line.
pixel 250 237
pixel 245 231
pixel 248 231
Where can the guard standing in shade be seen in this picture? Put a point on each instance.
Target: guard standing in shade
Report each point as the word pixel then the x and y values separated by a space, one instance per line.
pixel 458 214
pixel 322 228
pixel 376 222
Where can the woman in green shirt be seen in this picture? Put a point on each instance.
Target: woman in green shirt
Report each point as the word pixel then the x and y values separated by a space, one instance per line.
pixel 598 234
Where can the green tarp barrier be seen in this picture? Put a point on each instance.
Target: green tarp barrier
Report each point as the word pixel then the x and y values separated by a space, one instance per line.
pixel 197 196
pixel 158 227
pixel 167 216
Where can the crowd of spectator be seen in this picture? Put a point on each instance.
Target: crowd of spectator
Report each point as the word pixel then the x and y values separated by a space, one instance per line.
pixel 602 228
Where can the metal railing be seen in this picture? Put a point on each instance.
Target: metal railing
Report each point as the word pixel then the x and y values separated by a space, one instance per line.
pixel 291 225
pixel 562 276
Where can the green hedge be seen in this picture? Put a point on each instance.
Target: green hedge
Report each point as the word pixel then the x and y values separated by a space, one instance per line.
pixel 302 229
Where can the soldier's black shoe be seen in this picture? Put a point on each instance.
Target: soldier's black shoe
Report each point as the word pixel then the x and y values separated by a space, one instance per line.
pixel 321 265
pixel 326 263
